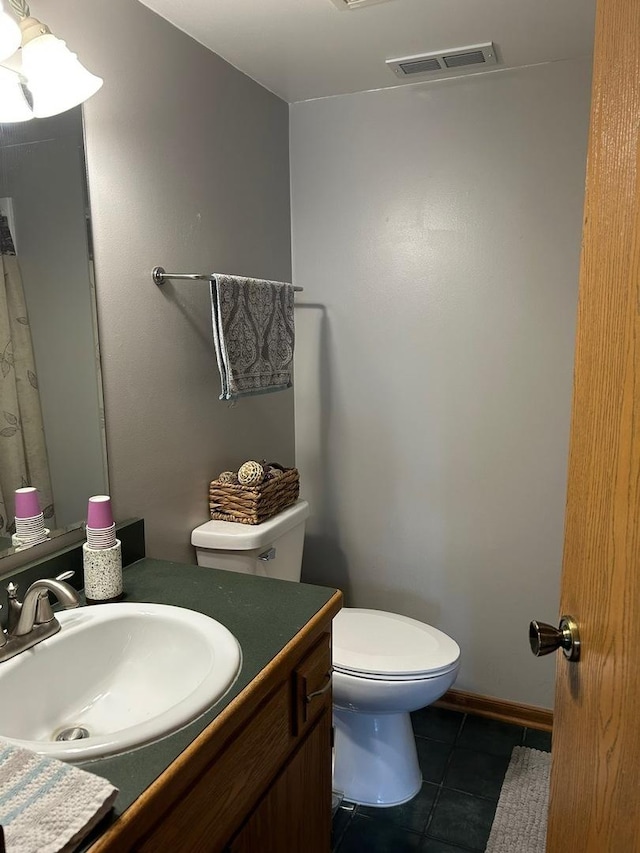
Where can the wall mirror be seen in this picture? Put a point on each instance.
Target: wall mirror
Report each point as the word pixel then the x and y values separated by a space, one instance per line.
pixel 51 410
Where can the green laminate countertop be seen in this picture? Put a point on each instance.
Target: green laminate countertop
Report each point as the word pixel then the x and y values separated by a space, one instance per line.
pixel 264 614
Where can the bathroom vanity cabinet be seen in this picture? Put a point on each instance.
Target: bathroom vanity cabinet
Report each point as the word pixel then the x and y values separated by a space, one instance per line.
pixel 258 778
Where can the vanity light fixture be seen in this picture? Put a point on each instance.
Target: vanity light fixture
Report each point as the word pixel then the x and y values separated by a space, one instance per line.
pixel 54 77
pixel 9 34
pixel 14 105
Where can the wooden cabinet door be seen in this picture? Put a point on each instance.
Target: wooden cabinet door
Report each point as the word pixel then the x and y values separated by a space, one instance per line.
pixel 295 814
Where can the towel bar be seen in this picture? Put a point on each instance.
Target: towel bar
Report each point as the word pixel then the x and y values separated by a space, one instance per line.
pixel 159 276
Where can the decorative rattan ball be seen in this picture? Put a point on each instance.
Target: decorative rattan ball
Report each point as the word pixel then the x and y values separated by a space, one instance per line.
pixel 251 473
pixel 227 477
pixel 275 472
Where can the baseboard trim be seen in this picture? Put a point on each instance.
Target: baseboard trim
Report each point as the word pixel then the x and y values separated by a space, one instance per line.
pixel 498 709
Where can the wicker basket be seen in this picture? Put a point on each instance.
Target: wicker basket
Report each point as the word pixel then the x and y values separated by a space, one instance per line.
pixel 254 504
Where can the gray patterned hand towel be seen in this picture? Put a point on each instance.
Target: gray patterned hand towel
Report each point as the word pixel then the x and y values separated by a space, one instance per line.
pixel 253 332
pixel 47 806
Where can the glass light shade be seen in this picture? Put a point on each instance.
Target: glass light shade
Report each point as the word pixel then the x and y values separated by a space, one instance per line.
pixel 13 103
pixel 9 34
pixel 56 80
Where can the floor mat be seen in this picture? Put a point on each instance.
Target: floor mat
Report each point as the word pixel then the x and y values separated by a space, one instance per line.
pixel 520 823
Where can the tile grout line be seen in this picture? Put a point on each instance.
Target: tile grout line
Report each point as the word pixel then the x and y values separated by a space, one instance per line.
pixel 339 841
pixel 470 794
pixel 432 812
pixel 444 773
pixel 460 729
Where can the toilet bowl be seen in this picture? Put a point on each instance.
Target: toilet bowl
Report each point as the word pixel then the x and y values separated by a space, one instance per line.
pixel 384 665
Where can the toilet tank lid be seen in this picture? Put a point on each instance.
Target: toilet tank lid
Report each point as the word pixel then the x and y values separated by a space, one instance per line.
pixel 232 536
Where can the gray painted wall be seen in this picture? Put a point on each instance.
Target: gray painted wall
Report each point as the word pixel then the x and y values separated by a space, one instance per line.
pixel 188 168
pixel 437 229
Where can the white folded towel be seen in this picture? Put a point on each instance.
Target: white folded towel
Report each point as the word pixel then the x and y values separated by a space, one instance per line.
pixel 253 333
pixel 47 806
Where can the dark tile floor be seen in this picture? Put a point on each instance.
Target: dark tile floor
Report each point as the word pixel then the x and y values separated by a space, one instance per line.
pixel 463 761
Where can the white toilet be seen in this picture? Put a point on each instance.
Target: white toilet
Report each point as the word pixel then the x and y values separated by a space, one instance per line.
pixel 384 665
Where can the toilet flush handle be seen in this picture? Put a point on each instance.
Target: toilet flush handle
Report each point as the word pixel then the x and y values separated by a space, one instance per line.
pixel 270 554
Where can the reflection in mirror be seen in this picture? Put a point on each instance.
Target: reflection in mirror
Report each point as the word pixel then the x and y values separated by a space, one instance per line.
pixel 51 411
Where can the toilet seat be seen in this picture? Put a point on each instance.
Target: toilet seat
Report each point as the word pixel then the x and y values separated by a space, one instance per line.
pixel 373 644
pixel 387 677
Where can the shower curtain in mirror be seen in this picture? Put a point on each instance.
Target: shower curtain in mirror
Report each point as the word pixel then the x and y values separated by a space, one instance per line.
pixel 23 452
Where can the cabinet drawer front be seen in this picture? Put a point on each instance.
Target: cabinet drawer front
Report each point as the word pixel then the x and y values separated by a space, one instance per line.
pixel 312 684
pixel 232 784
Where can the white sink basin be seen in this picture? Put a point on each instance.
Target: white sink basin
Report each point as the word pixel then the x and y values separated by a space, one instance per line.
pixel 127 673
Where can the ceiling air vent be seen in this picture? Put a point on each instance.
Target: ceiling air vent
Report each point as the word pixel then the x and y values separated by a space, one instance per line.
pixel 420 66
pixel 442 62
pixel 355 4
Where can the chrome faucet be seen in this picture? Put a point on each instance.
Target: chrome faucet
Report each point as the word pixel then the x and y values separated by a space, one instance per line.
pixel 32 620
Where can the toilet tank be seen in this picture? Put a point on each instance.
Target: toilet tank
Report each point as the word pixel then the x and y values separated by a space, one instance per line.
pixel 272 549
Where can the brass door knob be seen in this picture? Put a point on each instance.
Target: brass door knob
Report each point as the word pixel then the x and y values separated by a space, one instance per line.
pixel 544 638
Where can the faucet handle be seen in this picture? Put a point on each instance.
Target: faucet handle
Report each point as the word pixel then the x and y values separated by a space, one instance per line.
pixel 44 611
pixel 65 575
pixel 14 605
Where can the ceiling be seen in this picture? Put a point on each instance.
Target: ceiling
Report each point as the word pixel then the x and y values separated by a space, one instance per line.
pixel 304 49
